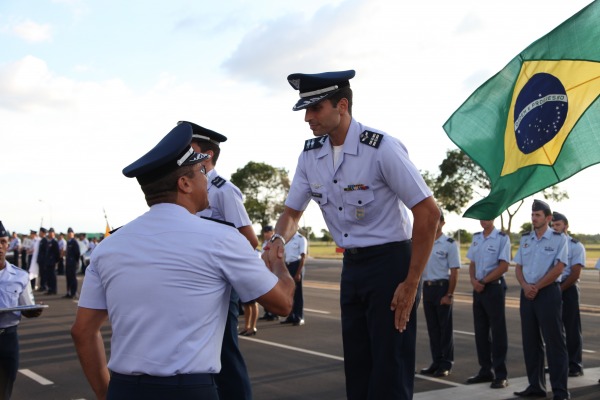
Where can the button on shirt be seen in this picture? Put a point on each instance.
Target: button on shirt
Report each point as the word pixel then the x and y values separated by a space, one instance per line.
pixel 226 203
pixel 165 279
pixel 486 252
pixel 444 256
pixel 576 256
pixel 364 198
pixel 538 256
pixel 15 290
pixel 295 247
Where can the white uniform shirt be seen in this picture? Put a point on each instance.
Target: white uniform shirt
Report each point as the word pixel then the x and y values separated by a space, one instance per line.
pixel 444 256
pixel 165 279
pixel 538 256
pixel 34 268
pixel 295 247
pixel 486 252
pixel 225 202
pixel 576 256
pixel 363 199
pixel 15 291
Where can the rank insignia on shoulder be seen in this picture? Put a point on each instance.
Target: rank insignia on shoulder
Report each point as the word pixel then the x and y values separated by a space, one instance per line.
pixel 218 181
pixel 371 138
pixel 557 233
pixel 219 221
pixel 114 230
pixel 502 233
pixel 315 143
pixel 450 240
pixel 525 234
pixel 574 240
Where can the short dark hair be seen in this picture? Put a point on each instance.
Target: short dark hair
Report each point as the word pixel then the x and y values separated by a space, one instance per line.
pixel 343 93
pixel 164 189
pixel 206 146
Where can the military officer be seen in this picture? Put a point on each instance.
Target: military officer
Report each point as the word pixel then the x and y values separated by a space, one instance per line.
pixel 489 255
pixel 226 203
pixel 16 291
pixel 569 286
pixel 363 181
pixel 167 295
pixel 540 261
pixel 439 281
pixel 72 264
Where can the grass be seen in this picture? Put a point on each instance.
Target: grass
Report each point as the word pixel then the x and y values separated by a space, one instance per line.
pixel 327 250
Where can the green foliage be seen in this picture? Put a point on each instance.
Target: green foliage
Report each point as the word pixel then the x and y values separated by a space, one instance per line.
pixel 525 228
pixel 462 236
pixel 326 236
pixel 265 189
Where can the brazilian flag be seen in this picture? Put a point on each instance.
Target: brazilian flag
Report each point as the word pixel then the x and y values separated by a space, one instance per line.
pixel 536 122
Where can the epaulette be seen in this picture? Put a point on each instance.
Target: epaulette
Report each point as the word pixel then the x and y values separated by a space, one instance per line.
pixel 574 240
pixel 219 221
pixel 450 240
pixel 372 139
pixel 314 143
pixel 218 181
pixel 526 233
pixel 114 230
pixel 477 233
pixel 556 233
pixel 502 233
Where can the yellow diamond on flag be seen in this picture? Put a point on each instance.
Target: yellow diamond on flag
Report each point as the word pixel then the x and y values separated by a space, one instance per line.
pixel 548 100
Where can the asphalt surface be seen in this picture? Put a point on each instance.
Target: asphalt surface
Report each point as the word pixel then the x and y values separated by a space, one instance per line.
pixel 306 362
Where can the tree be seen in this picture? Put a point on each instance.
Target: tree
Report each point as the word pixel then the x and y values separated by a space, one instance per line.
pixel 265 189
pixel 462 236
pixel 326 236
pixel 460 179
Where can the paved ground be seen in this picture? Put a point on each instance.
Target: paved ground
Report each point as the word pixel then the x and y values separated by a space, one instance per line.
pixel 307 362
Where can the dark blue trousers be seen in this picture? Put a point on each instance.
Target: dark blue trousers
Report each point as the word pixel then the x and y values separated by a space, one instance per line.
pixel 156 388
pixel 9 361
pixel 233 381
pixel 572 323
pixel 541 322
pixel 71 277
pixel 298 307
pixel 379 361
pixel 439 325
pixel 491 338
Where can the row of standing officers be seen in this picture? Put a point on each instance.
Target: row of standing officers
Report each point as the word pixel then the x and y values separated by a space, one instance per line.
pixel 548 265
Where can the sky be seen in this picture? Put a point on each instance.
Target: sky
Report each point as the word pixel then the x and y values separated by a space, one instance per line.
pixel 87 87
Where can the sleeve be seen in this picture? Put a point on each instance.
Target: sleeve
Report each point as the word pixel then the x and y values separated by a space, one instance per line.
pixel 299 194
pixel 518 257
pixel 563 250
pixel 453 255
pixel 470 252
pixel 26 296
pixel 401 175
pixel 597 264
pixel 578 256
pixel 92 293
pixel 303 245
pixel 504 253
pixel 232 204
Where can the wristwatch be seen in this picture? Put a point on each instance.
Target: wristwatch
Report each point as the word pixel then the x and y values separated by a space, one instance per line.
pixel 277 236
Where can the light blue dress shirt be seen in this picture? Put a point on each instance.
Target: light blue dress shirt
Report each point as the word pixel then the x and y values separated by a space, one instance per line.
pixel 538 256
pixel 225 202
pixel 576 256
pixel 444 256
pixel 364 198
pixel 486 252
pixel 15 290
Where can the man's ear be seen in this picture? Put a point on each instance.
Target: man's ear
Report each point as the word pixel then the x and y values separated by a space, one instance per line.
pixel 183 184
pixel 343 105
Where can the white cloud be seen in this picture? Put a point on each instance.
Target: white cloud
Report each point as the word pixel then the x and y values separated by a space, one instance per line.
pixel 32 31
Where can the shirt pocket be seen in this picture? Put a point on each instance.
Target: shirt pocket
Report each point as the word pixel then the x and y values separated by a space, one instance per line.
pixel 360 205
pixel 10 294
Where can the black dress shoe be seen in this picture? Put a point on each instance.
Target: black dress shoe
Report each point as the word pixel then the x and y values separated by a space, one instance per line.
pixel 441 372
pixel 499 384
pixel 298 323
pixel 529 392
pixel 286 321
pixel 249 332
pixel 480 378
pixel 575 373
pixel 432 368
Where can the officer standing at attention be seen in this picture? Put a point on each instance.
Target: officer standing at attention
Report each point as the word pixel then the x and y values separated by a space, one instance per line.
pixel 363 181
pixel 226 203
pixel 490 254
pixel 570 295
pixel 439 281
pixel 16 292
pixel 295 255
pixel 72 264
pixel 539 262
pixel 167 295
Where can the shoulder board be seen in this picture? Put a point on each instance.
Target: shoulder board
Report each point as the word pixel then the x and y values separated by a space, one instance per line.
pixel 525 234
pixel 114 230
pixel 219 221
pixel 218 181
pixel 477 233
pixel 557 233
pixel 314 143
pixel 502 233
pixel 450 240
pixel 574 240
pixel 371 138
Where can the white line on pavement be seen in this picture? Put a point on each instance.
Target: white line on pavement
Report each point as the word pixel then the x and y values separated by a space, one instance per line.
pixel 298 349
pixel 465 333
pixel 317 311
pixel 38 378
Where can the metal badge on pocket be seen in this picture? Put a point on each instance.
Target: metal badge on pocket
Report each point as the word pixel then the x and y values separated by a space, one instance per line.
pixel 360 213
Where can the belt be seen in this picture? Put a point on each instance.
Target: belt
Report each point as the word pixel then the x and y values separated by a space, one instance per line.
pixel 9 329
pixel 175 380
pixel 494 282
pixel 363 250
pixel 437 282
